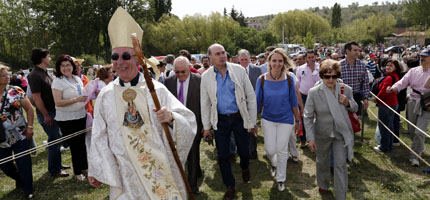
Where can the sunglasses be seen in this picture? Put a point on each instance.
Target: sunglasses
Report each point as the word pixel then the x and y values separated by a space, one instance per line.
pixel 330 76
pixel 125 56
pixel 180 72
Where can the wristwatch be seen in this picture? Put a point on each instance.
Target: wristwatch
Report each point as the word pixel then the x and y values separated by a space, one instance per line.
pixel 297 121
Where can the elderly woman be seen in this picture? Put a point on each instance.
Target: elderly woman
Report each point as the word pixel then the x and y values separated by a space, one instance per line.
pixel 328 126
pixel 280 114
pixel 17 133
pixel 67 90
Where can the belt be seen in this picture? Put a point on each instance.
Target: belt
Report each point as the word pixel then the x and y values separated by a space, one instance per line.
pixel 231 114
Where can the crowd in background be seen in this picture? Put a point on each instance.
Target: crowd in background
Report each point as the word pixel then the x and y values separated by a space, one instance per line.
pixel 297 95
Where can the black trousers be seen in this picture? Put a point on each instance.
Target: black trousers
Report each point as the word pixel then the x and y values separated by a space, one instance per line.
pixel 358 98
pixel 193 163
pixel 77 143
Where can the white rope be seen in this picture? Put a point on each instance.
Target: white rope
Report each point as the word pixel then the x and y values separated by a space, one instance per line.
pixel 53 142
pixel 401 141
pixel 412 124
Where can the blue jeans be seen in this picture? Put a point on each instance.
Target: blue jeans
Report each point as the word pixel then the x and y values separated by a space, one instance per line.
pixel 23 175
pixel 227 125
pixel 387 117
pixel 396 126
pixel 54 154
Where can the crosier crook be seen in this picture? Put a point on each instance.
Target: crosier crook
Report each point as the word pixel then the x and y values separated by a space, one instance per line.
pixel 148 79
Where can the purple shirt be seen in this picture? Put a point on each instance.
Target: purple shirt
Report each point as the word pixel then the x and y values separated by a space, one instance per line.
pixel 306 79
pixel 416 77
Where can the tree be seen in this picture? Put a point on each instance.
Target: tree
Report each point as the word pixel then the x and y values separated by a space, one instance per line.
pixel 298 23
pixel 309 41
pixel 417 12
pixel 161 7
pixel 241 20
pixel 381 25
pixel 225 12
pixel 234 14
pixel 336 16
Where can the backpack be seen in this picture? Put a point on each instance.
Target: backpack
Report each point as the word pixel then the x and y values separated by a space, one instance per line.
pixel 375 86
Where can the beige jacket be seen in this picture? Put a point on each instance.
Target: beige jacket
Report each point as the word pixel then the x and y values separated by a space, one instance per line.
pixel 245 97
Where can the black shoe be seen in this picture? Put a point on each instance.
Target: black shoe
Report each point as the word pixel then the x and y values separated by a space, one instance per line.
pixel 232 158
pixel 229 194
pixel 195 190
pixel 65 167
pixel 29 196
pixel 246 175
pixel 60 174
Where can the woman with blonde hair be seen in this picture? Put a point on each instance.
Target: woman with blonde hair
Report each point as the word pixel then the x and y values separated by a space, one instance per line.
pixel 276 97
pixel 16 133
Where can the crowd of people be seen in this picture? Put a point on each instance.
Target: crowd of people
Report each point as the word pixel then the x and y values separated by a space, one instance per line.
pixel 310 96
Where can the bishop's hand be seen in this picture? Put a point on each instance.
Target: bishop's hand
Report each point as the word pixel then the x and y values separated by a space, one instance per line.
pixel 164 115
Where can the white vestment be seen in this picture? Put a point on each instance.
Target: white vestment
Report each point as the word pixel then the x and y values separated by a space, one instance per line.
pixel 109 161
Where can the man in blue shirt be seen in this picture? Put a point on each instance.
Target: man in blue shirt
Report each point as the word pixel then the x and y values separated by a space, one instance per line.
pixel 228 106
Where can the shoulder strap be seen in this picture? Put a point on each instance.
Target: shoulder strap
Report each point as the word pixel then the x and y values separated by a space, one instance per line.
pixel 3 101
pixel 262 91
pixel 416 91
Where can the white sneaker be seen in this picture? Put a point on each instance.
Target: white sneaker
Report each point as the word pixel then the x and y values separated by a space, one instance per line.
pixel 377 149
pixel 273 171
pixel 44 142
pixel 295 159
pixel 414 162
pixel 281 186
pixel 64 148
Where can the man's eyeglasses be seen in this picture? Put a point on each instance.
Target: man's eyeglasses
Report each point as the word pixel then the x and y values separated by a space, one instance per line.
pixel 180 72
pixel 325 76
pixel 125 56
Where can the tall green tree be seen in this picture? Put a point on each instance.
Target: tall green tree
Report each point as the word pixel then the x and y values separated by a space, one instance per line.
pixel 298 23
pixel 417 12
pixel 336 16
pixel 161 7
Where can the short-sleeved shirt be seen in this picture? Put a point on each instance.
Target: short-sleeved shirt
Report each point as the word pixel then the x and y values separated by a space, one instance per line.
pixel 12 115
pixel 40 82
pixel 307 78
pixel 69 90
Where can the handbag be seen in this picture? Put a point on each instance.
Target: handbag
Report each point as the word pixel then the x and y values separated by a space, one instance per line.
pixel 2 130
pixel 355 122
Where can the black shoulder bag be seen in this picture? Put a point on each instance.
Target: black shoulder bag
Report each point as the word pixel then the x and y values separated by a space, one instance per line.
pixel 425 100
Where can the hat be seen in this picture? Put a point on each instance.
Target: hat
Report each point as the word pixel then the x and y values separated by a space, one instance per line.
pixel 425 52
pixel 121 26
pixel 152 62
pixel 372 55
pixel 80 61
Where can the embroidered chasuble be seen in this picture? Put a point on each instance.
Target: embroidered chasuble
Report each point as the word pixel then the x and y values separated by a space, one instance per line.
pixel 129 150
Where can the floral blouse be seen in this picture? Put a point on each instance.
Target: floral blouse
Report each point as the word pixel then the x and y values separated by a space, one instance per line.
pixel 12 116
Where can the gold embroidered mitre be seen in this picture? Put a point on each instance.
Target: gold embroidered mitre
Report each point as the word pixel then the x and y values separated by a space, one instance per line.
pixel 121 26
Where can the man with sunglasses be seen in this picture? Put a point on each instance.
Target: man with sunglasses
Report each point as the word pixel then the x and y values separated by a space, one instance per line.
pixel 129 150
pixel 185 86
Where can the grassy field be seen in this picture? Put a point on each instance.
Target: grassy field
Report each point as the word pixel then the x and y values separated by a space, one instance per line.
pixel 371 175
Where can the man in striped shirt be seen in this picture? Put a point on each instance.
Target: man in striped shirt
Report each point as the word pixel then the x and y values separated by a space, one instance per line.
pixel 371 65
pixel 354 74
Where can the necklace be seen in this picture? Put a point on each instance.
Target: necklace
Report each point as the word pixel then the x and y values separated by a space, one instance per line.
pixel 273 77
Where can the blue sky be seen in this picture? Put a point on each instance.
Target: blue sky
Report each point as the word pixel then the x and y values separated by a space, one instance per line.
pixel 252 8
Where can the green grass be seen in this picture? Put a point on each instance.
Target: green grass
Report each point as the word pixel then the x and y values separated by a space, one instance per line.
pixel 371 175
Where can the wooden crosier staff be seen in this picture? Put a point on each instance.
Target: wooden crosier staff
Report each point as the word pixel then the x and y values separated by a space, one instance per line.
pixel 150 85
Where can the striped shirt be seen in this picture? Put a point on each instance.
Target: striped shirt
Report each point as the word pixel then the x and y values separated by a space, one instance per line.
pixel 356 77
pixel 371 66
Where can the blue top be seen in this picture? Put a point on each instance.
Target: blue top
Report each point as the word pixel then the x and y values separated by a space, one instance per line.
pixel 225 94
pixel 279 100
